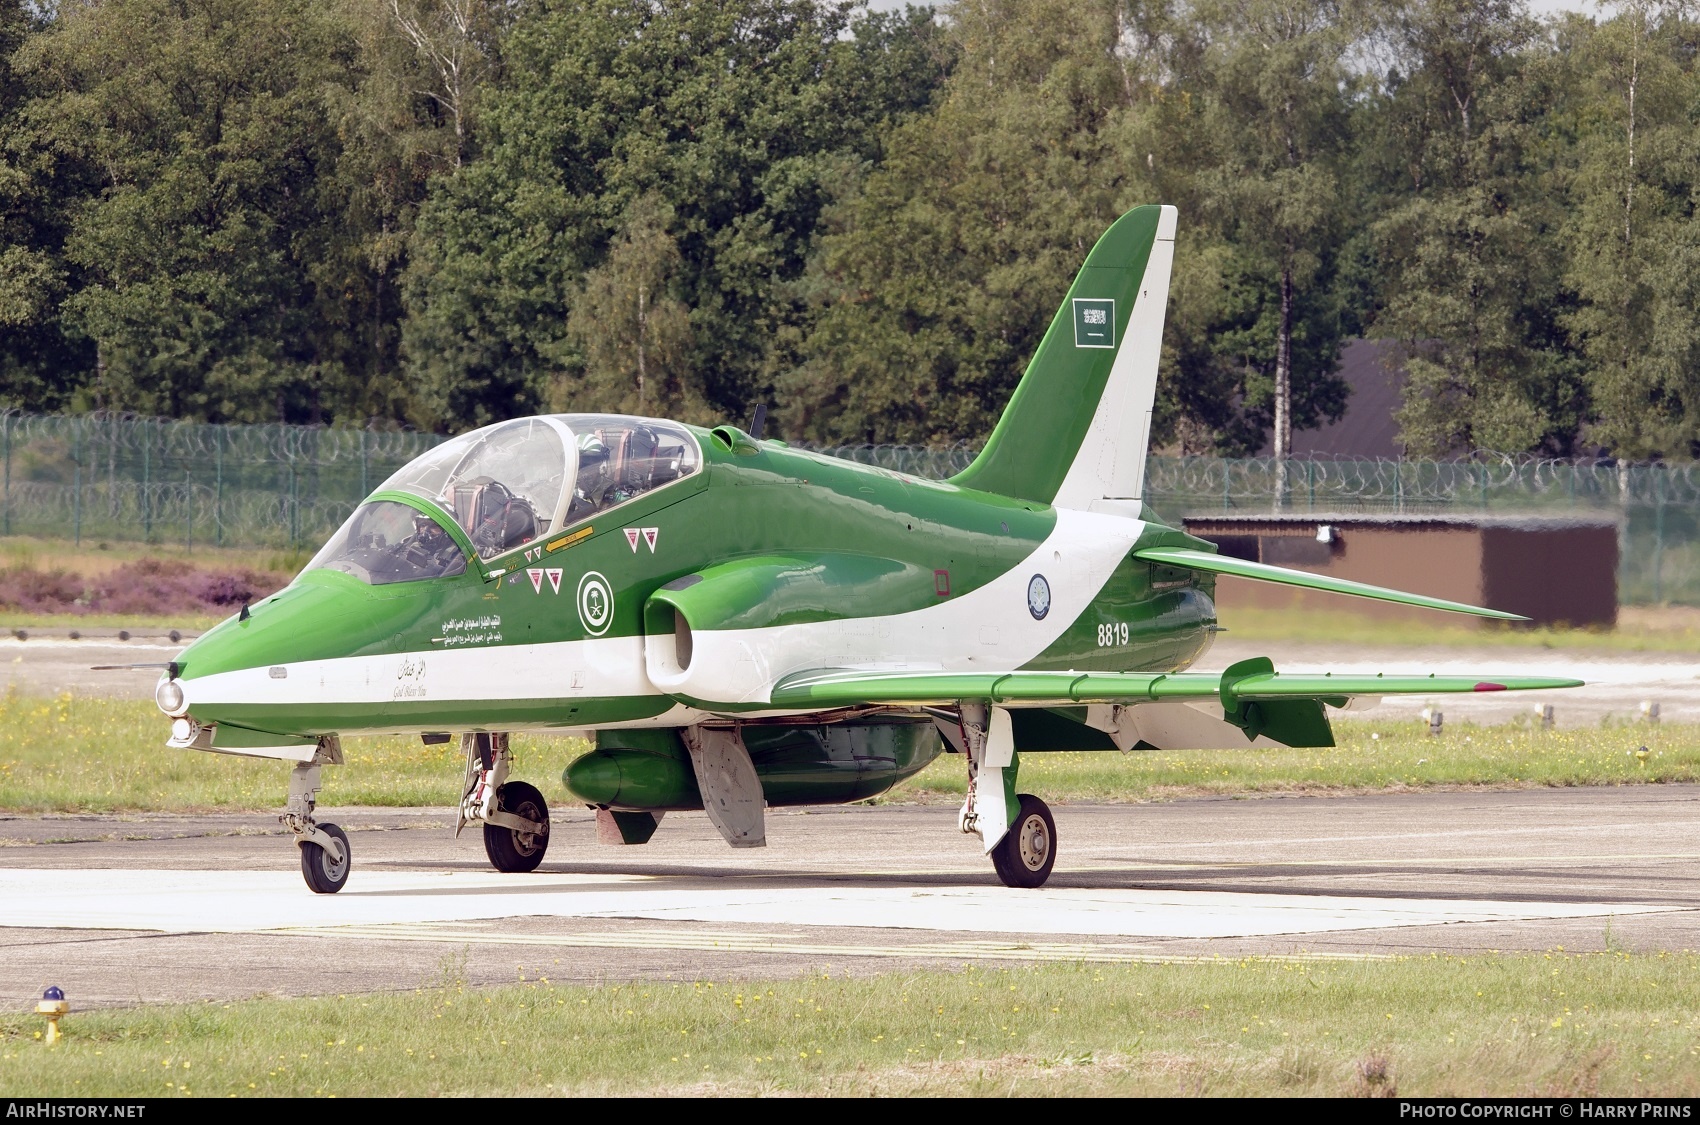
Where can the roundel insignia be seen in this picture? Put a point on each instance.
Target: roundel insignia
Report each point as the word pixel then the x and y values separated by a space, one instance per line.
pixel 595 603
pixel 1038 597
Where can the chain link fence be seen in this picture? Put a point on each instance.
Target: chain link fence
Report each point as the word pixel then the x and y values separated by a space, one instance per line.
pixel 1656 506
pixel 109 476
pixel 120 477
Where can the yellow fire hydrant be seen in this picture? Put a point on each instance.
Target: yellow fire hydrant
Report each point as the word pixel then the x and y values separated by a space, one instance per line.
pixel 53 1005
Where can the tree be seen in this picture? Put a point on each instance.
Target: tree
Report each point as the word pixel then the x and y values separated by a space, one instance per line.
pixel 1633 257
pixel 231 185
pixel 941 275
pixel 744 118
pixel 634 334
pixel 458 43
pixel 212 278
pixel 41 366
pixel 1277 129
pixel 1464 239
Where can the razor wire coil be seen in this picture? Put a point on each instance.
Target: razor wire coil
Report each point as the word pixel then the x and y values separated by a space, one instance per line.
pixel 127 477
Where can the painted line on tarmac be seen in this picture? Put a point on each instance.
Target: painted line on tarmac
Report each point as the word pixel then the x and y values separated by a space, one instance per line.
pixel 1159 866
pixel 1592 859
pixel 765 943
pixel 1675 823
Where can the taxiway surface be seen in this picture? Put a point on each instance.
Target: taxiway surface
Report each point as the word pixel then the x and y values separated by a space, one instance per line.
pixel 163 907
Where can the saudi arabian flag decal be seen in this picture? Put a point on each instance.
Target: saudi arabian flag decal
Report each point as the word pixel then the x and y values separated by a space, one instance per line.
pixel 1094 323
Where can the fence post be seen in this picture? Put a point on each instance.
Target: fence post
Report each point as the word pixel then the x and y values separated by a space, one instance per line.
pixel 76 482
pixel 218 486
pixel 8 472
pixel 294 503
pixel 1658 533
pixel 1310 480
pixel 147 479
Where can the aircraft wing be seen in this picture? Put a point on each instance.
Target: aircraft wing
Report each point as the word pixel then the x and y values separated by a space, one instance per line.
pixel 1248 682
pixel 1263 572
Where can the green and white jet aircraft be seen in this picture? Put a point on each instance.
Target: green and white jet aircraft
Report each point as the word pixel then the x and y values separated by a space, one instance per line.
pixel 738 624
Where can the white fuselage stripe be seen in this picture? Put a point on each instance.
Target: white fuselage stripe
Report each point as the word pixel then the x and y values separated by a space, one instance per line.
pixel 992 628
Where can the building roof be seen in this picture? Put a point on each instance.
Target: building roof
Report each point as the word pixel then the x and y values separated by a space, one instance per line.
pixel 1373 371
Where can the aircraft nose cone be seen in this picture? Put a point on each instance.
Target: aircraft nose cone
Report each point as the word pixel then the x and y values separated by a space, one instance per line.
pixel 594 778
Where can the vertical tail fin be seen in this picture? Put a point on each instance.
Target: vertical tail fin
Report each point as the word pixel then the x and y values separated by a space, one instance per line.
pixel 1075 432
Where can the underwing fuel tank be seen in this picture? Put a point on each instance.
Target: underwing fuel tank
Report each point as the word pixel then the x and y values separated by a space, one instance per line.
pixel 798 764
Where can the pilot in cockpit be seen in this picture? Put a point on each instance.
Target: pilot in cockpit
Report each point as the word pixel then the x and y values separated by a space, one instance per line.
pixel 595 474
pixel 429 550
pixel 614 465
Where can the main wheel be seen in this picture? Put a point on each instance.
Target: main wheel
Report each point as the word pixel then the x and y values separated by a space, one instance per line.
pixel 510 850
pixel 323 876
pixel 1028 851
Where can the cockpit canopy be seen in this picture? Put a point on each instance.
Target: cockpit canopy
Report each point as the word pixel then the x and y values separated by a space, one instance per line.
pixel 507 485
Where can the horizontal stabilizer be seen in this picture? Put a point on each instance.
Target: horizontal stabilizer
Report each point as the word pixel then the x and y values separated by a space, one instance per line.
pixel 849 688
pixel 1263 572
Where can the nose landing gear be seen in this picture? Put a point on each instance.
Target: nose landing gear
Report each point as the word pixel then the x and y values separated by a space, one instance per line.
pixel 325 855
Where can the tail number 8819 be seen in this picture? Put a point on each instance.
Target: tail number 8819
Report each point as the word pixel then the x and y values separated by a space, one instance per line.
pixel 1115 634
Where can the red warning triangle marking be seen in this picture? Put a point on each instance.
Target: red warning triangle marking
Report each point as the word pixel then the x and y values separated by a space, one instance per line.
pixel 536 577
pixel 554 574
pixel 632 538
pixel 650 534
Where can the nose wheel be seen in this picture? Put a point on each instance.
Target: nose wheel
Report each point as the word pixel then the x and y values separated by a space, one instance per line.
pixel 1028 851
pixel 325 856
pixel 326 873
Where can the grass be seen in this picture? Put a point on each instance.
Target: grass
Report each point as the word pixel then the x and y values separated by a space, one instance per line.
pixel 93 558
pixel 1370 756
pixel 70 754
pixel 1611 1024
pixel 1640 628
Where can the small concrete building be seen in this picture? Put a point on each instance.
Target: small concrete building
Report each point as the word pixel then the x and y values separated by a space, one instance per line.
pixel 1553 570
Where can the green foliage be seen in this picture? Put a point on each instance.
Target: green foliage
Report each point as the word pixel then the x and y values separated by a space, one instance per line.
pixel 1469 213
pixel 942 274
pixel 445 212
pixel 940 277
pixel 634 334
pixel 39 362
pixel 738 122
pixel 1634 251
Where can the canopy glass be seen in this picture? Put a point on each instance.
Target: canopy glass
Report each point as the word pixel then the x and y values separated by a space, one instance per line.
pixel 506 485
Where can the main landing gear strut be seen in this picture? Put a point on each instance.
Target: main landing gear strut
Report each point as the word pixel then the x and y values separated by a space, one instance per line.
pixel 514 815
pixel 1024 852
